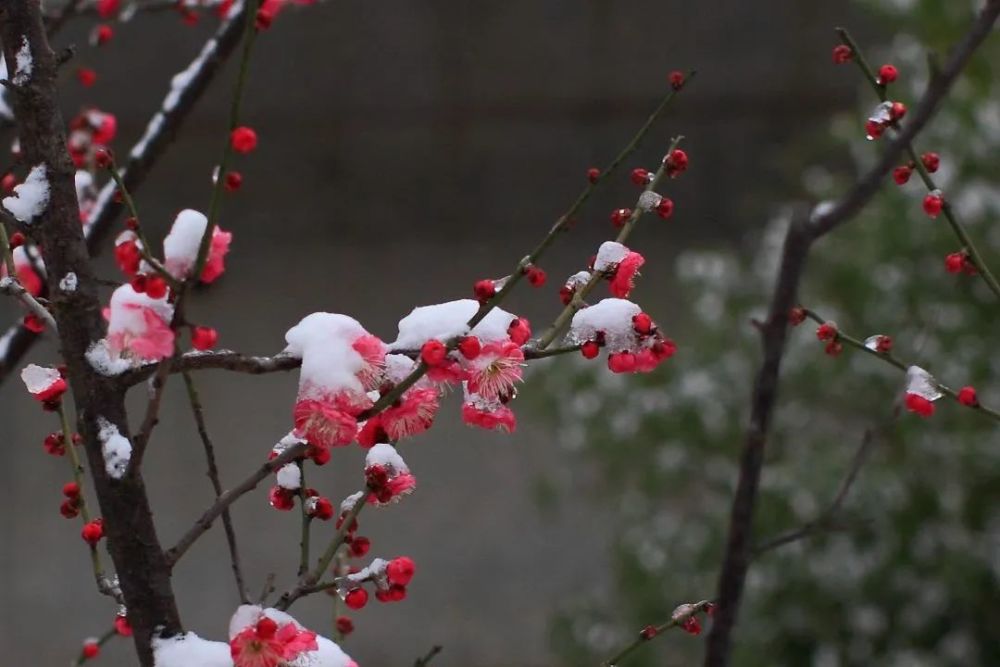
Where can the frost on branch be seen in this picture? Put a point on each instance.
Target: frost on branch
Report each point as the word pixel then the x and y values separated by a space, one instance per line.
pixel 23 64
pixel 31 197
pixel 115 447
pixel 180 247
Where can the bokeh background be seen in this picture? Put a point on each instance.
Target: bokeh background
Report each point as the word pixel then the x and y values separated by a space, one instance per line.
pixel 410 148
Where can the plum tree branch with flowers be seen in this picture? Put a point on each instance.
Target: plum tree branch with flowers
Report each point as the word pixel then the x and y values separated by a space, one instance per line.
pixel 353 386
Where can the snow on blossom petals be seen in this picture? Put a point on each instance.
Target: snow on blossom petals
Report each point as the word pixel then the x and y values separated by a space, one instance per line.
pixel 139 325
pixel 189 649
pixel 444 321
pixel 611 318
pixel 43 383
pixel 489 415
pixel 623 280
pixel 325 422
pixel 311 650
pixel 387 475
pixel 922 383
pixel 609 255
pixel 180 246
pixel 494 372
pixel 31 197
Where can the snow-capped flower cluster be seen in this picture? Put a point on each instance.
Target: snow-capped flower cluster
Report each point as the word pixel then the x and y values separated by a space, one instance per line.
pixel 139 325
pixel 180 247
pixel 390 579
pixel 633 341
pixel 921 391
pixel 90 131
pixel 387 475
pixel 620 266
pixel 45 384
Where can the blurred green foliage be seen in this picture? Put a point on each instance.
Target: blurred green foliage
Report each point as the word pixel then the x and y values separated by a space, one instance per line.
pixel 911 575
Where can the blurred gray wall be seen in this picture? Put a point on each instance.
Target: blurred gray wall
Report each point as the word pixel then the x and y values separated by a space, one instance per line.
pixel 408 149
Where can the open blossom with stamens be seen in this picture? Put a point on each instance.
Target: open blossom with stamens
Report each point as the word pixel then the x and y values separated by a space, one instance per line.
pixel 180 247
pixel 139 326
pixel 493 373
pixel 268 644
pixel 412 414
pixel 387 475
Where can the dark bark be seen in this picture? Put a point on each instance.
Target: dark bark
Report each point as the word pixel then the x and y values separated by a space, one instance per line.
pixel 132 540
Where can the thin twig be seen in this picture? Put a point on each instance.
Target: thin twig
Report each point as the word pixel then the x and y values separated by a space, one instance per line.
pixel 925 176
pixel 213 475
pixel 646 637
pixel 204 522
pixel 426 660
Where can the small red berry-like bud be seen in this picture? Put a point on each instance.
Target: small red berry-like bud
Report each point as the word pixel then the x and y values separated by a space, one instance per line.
pixel 267 628
pixel 535 276
pixel 621 362
pixel 887 74
pixel 954 262
pixel 204 338
pixel 16 239
pixel 33 323
pixel 156 287
pixel 933 204
pixel 356 598
pixel 665 208
pixel 132 223
pixel 400 570
pixel 796 316
pixel 396 593
pixel 967 396
pixel 691 625
pixel 874 129
pixel 593 174
pixel 833 348
pixel 103 34
pixel 122 626
pixel 345 625
pixel 55 444
pixel 648 632
pixel 233 181
pixel 590 349
pixel 883 345
pixel 86 76
pixel 484 290
pixel 566 294
pixel 139 283
pixel 71 490
pixel 93 532
pixel 620 216
pixel 107 8
pixel 360 546
pixel 519 330
pixel 103 158
pixel 932 161
pixel 676 79
pixel 640 176
pixel 470 347
pixel 319 455
pixel 8 182
pixel 919 405
pixel 243 139
pixel 281 499
pixel 826 331
pixel 91 650
pixel 433 353
pixel 677 163
pixel 264 19
pixel 323 509
pixel 902 174
pixel 842 53
pixel 643 324
pixel 710 608
pixel 898 110
pixel 70 509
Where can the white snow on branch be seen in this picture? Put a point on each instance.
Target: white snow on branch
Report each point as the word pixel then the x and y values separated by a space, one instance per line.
pixel 611 317
pixel 31 197
pixel 290 477
pixel 447 320
pixel 609 255
pixel 104 361
pixel 69 282
pixel 116 448
pixel 23 64
pixel 190 650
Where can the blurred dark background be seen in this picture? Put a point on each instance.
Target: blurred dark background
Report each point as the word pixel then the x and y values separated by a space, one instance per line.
pixel 406 150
